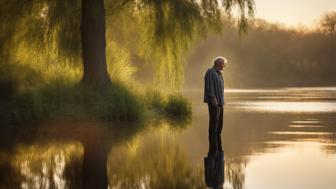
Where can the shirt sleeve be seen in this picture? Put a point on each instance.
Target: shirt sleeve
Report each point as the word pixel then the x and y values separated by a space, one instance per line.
pixel 209 84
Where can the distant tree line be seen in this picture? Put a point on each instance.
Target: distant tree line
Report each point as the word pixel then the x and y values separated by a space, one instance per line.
pixel 270 55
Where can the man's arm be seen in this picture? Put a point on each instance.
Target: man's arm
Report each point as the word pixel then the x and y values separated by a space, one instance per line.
pixel 209 87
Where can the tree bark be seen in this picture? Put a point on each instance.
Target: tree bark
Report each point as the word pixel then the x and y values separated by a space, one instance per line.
pixel 94 42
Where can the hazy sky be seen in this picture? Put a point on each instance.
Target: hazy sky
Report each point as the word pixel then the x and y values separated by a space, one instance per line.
pixel 293 12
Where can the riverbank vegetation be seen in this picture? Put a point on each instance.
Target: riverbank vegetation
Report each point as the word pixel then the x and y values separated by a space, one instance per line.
pixel 78 58
pixel 39 93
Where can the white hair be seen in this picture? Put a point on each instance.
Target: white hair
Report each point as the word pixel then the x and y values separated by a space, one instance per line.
pixel 215 60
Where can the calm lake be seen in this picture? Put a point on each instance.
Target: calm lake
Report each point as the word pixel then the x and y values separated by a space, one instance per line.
pixel 281 138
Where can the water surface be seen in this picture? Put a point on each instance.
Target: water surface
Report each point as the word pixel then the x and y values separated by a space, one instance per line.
pixel 273 138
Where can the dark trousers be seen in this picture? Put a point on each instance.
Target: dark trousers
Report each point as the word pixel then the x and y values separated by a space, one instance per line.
pixel 215 128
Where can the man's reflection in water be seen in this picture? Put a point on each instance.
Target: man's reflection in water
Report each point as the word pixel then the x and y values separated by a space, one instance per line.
pixel 214 170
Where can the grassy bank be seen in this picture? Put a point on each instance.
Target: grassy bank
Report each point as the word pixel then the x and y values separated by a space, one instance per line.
pixel 55 92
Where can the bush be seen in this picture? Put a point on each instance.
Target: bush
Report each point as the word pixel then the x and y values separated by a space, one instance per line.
pixel 175 105
pixel 178 106
pixel 154 100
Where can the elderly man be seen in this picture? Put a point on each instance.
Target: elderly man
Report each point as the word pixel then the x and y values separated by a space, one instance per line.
pixel 214 97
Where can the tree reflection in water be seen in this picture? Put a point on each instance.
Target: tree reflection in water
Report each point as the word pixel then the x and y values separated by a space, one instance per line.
pixel 69 156
pixel 47 165
pixel 62 154
pixel 153 160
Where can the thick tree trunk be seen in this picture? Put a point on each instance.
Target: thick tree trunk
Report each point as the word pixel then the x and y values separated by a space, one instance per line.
pixel 94 42
pixel 95 164
pixel 95 73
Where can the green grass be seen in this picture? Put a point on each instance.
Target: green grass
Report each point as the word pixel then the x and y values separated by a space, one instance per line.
pixel 40 93
pixel 56 100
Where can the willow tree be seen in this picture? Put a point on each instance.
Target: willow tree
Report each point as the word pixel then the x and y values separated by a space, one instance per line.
pixel 168 29
pixel 76 28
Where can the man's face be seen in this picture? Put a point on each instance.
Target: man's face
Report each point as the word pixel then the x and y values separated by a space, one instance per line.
pixel 221 65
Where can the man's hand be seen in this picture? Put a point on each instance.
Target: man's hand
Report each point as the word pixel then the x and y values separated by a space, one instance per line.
pixel 214 102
